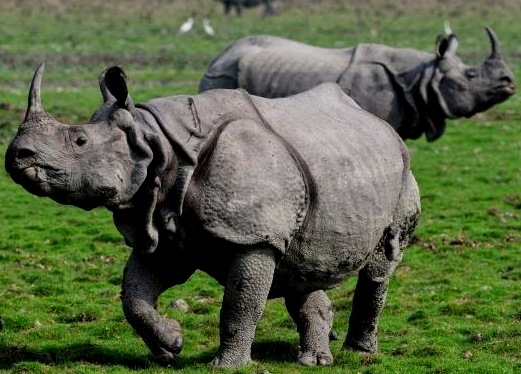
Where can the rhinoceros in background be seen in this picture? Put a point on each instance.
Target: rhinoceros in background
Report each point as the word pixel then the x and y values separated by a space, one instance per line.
pixel 414 91
pixel 239 4
pixel 271 197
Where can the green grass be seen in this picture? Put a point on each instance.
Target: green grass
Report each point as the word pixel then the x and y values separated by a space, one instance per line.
pixel 454 304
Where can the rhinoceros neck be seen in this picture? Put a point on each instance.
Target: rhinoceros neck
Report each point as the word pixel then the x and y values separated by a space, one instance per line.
pixel 189 125
pixel 173 126
pixel 174 122
pixel 408 76
pixel 432 108
pixel 402 60
pixel 188 122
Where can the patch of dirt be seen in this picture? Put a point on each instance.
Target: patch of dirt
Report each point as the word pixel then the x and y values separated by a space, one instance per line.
pixel 513 200
pixel 512 272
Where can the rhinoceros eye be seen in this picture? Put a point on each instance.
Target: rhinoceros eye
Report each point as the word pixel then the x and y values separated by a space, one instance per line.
pixel 471 73
pixel 80 140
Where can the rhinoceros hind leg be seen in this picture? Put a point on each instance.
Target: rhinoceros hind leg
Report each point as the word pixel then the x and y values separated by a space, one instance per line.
pixel 313 314
pixel 368 302
pixel 246 291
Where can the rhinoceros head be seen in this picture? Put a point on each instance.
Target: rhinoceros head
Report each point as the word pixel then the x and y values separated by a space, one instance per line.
pixel 102 163
pixel 466 90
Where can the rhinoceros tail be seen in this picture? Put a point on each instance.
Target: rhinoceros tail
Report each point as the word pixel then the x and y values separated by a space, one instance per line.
pixel 217 79
pixel 223 71
pixel 406 215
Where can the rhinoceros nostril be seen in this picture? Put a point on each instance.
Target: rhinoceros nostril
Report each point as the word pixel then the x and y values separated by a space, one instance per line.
pixel 506 79
pixel 24 153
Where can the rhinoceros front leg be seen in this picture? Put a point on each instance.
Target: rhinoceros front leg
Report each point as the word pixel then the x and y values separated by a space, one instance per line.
pixel 313 314
pixel 368 302
pixel 246 290
pixel 144 279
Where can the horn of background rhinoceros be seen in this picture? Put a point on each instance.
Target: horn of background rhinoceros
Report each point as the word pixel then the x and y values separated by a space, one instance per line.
pixel 34 106
pixel 494 44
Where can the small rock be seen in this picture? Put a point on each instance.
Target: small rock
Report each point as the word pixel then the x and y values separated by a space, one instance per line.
pixel 180 305
pixel 479 337
pixel 6 106
pixel 333 335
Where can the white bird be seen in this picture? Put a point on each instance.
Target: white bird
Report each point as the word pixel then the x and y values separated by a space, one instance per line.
pixel 448 29
pixel 186 26
pixel 208 29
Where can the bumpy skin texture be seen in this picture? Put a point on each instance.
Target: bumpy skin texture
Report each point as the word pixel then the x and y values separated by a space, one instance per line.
pixel 414 91
pixel 272 197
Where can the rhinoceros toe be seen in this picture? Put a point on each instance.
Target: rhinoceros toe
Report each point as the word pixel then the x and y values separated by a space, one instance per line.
pixel 166 354
pixel 230 362
pixel 362 345
pixel 312 358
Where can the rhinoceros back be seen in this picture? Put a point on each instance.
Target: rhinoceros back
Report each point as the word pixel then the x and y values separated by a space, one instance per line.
pixel 289 68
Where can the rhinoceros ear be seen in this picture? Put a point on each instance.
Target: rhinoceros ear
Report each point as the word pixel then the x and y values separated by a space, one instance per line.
pixel 107 96
pixel 114 83
pixel 446 45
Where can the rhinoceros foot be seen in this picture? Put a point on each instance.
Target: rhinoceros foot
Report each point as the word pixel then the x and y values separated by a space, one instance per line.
pixel 230 362
pixel 167 345
pixel 166 357
pixel 312 358
pixel 367 346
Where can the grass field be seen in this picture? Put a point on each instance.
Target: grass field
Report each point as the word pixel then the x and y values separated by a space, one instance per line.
pixel 454 305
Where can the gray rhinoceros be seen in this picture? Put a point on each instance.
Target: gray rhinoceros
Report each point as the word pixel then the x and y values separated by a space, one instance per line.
pixel 239 4
pixel 414 91
pixel 271 197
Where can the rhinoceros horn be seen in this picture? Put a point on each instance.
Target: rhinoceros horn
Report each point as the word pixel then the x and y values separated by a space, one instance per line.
pixel 34 107
pixel 494 43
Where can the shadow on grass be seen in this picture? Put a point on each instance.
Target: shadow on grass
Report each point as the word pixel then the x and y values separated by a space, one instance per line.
pixel 85 352
pixel 10 355
pixel 262 351
pixel 275 351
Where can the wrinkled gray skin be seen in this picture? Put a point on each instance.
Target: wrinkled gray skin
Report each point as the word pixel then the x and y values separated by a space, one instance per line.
pixel 239 4
pixel 271 197
pixel 414 91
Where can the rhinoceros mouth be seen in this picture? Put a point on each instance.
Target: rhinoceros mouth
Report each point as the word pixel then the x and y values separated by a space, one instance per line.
pixel 503 89
pixel 497 95
pixel 510 89
pixel 34 179
pixel 32 173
